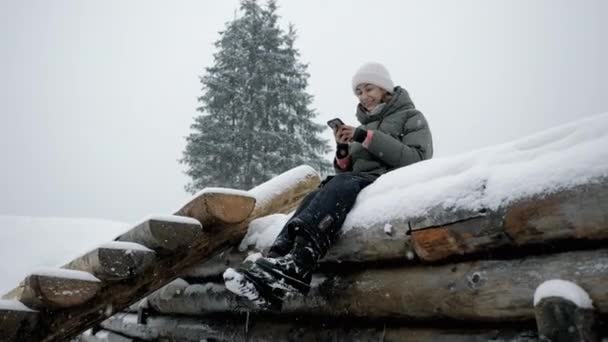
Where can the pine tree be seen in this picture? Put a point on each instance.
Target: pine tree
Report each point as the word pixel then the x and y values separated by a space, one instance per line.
pixel 256 120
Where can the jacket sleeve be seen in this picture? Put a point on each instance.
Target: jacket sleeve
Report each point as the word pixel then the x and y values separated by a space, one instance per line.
pixel 415 143
pixel 349 165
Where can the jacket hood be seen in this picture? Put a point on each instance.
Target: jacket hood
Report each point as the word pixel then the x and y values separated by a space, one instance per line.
pixel 400 101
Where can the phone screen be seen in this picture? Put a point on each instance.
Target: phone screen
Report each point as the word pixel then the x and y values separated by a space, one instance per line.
pixel 334 123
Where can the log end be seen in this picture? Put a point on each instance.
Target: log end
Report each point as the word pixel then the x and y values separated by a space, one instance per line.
pixel 122 263
pixel 219 206
pixel 59 289
pixel 16 320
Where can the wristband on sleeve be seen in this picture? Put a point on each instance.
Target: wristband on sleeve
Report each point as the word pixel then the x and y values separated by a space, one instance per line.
pixel 360 135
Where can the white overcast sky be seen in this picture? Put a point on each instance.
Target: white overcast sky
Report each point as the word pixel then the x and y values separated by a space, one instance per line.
pixel 96 97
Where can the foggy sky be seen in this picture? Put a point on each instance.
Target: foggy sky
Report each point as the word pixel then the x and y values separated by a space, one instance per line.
pixel 96 97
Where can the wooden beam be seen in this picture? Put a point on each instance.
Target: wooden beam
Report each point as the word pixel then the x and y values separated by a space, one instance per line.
pixel 481 291
pixel 214 206
pixel 269 329
pixel 164 234
pixel 15 320
pixel 578 213
pixel 174 257
pixel 114 261
pixel 58 288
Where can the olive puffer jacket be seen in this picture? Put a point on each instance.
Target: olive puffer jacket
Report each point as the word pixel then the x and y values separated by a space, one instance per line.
pixel 401 136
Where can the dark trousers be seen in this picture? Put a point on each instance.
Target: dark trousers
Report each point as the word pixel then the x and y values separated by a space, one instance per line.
pixel 321 214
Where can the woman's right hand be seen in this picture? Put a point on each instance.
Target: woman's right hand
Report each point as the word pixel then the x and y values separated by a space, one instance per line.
pixel 344 134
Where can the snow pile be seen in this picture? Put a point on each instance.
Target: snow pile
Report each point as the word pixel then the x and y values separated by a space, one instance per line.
pixel 558 158
pixel 127 246
pixel 28 243
pixel 264 192
pixel 13 305
pixel 168 218
pixel 65 274
pixel 563 289
pixel 262 231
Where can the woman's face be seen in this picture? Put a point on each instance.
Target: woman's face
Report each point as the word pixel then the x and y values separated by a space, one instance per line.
pixel 369 95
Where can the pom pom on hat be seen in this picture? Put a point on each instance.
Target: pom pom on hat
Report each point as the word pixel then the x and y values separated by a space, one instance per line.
pixel 373 73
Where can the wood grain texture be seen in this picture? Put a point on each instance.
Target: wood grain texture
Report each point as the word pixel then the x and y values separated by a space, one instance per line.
pixel 213 208
pixel 579 213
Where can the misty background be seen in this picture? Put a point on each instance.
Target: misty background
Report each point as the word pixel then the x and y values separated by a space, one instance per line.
pixel 97 97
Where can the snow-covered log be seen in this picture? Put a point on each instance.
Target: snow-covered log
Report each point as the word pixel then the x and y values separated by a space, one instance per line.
pixel 267 330
pixel 564 312
pixel 212 206
pixel 15 320
pixel 176 253
pixel 102 336
pixel 283 193
pixel 577 213
pixel 164 234
pixel 114 261
pixel 491 290
pixel 58 288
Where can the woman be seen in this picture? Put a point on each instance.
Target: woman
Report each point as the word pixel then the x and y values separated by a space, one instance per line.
pixel 392 134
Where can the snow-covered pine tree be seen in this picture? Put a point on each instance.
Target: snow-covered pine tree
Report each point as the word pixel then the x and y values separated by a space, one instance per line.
pixel 256 120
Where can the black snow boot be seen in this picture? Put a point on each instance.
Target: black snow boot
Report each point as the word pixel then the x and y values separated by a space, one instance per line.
pixel 292 272
pixel 267 281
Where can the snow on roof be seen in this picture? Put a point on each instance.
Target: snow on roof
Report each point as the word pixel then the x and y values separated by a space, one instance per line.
pixel 563 289
pixel 558 158
pixel 129 246
pixel 265 191
pixel 65 273
pixel 13 305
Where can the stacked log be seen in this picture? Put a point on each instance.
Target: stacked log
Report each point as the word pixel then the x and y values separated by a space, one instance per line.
pixel 150 255
pixel 453 268
pixel 15 320
pixel 260 329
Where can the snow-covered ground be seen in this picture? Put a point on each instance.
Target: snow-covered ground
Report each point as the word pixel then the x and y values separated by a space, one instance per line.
pixel 28 244
pixel 554 159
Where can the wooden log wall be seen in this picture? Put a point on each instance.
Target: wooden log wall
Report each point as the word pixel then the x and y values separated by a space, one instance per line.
pixel 578 214
pixel 477 291
pixel 261 329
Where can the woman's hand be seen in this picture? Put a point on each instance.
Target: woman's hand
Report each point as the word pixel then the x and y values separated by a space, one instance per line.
pixel 344 134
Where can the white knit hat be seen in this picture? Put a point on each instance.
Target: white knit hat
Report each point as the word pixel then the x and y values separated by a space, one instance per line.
pixel 373 73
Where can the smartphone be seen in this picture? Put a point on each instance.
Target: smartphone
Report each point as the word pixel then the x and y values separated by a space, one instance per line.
pixel 334 123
